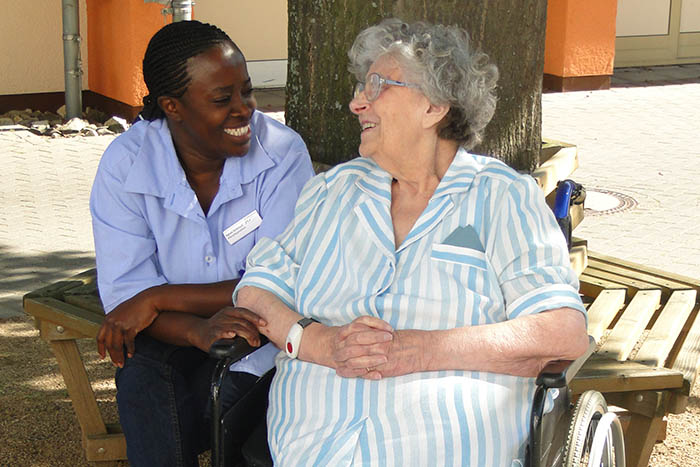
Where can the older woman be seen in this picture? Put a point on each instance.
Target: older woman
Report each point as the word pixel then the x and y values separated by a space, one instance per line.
pixel 178 202
pixel 419 288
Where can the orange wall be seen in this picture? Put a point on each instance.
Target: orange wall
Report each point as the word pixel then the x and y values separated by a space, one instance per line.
pixel 580 38
pixel 118 33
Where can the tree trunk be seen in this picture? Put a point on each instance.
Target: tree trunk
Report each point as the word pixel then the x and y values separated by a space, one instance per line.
pixel 319 86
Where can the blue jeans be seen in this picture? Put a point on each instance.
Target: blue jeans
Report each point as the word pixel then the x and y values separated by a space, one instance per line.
pixel 163 402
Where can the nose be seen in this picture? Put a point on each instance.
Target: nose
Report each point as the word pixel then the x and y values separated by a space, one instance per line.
pixel 243 106
pixel 359 103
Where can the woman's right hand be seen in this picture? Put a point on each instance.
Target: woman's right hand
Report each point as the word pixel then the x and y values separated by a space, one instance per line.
pixel 227 323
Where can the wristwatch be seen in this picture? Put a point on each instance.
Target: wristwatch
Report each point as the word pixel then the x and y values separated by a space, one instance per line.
pixel 291 346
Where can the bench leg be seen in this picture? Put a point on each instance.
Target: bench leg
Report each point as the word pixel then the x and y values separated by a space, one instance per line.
pixel 640 437
pixel 100 443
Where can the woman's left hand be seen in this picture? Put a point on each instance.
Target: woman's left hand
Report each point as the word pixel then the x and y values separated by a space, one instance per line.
pixel 408 352
pixel 356 355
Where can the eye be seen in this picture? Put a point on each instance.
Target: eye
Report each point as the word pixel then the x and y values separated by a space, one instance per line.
pixel 248 93
pixel 222 100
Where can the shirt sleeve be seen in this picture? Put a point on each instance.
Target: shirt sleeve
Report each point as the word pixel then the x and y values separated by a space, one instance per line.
pixel 273 264
pixel 124 244
pixel 280 191
pixel 529 253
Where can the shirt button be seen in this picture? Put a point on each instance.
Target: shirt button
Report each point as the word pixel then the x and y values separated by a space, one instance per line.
pixel 209 259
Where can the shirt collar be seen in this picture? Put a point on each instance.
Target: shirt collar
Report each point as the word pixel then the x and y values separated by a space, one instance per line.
pixel 459 176
pixel 156 158
pixel 376 182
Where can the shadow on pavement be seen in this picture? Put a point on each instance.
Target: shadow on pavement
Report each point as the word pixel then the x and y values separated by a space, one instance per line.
pixel 22 273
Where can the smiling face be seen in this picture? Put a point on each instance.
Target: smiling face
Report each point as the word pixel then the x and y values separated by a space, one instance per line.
pixel 391 124
pixel 212 118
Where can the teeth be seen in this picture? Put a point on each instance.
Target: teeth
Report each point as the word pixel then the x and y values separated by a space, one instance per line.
pixel 237 131
pixel 368 125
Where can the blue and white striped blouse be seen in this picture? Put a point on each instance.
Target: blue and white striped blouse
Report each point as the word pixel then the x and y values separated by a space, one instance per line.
pixel 486 249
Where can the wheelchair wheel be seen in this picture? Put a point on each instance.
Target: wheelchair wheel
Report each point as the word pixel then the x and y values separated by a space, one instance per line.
pixel 589 410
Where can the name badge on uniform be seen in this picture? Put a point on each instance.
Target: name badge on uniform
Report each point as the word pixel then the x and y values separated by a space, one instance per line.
pixel 243 227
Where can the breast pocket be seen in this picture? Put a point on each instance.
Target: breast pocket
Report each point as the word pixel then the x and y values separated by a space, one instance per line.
pixel 461 275
pixel 469 257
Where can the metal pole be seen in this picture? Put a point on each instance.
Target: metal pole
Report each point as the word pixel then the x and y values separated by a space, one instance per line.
pixel 71 59
pixel 182 10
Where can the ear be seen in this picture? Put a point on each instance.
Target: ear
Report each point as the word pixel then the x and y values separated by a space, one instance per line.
pixel 170 107
pixel 434 114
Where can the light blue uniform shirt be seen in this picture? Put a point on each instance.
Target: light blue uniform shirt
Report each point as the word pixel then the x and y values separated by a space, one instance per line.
pixel 486 249
pixel 149 227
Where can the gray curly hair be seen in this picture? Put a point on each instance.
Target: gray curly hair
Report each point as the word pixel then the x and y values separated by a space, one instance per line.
pixel 440 60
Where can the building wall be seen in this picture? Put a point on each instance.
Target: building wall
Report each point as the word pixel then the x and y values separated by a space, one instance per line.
pixel 117 40
pixel 31 60
pixel 580 38
pixel 112 49
pixel 258 28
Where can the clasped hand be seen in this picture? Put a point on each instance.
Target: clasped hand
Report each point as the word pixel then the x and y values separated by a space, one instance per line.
pixel 370 348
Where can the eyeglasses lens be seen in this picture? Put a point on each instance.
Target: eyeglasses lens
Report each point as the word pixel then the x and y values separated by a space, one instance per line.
pixel 374 86
pixel 359 87
pixel 371 89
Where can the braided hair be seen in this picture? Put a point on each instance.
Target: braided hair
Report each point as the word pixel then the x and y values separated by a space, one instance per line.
pixel 165 62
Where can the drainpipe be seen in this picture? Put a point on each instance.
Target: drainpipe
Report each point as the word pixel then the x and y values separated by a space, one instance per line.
pixel 182 10
pixel 71 59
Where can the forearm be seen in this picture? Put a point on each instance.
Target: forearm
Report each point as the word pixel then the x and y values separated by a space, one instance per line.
pixel 518 347
pixel 175 328
pixel 280 318
pixel 199 299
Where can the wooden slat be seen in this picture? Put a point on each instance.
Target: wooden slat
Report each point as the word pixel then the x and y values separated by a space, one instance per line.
pixel 667 327
pixel 665 284
pixel 90 303
pixel 65 314
pixel 675 281
pixel 631 325
pixel 632 284
pixel 688 358
pixel 591 286
pixel 608 375
pixel 603 310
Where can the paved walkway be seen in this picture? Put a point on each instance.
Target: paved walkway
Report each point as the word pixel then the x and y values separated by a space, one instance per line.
pixel 639 141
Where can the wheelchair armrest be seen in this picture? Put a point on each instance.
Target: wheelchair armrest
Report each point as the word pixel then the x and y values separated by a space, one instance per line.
pixel 559 373
pixel 234 349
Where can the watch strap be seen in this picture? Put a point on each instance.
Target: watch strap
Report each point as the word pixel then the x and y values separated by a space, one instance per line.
pixel 293 341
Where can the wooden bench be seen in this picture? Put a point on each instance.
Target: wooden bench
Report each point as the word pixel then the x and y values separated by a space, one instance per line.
pixel 71 310
pixel 644 321
pixel 642 318
pixel 64 312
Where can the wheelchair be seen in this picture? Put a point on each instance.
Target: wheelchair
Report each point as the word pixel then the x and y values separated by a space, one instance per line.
pixel 562 433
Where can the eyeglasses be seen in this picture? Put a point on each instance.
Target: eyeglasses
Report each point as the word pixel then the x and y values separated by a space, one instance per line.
pixel 373 87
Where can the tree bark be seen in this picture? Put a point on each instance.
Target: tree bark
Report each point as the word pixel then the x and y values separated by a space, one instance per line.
pixel 319 86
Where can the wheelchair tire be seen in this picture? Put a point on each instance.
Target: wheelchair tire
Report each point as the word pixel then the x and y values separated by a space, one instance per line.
pixel 590 407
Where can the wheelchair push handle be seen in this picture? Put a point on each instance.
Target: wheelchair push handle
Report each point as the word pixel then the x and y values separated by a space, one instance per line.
pixel 568 193
pixel 234 349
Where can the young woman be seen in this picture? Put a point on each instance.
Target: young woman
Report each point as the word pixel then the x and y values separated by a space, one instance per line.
pixel 178 202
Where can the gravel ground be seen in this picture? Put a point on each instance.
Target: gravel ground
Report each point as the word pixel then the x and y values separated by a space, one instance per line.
pixel 38 426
